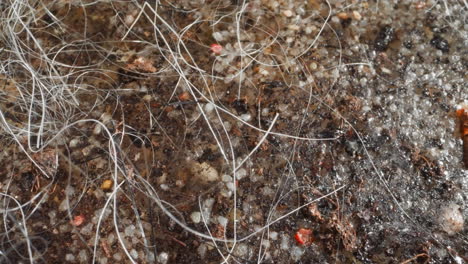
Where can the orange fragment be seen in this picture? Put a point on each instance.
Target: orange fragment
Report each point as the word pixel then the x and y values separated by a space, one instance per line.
pixel 106 185
pixel 462 114
pixel 184 96
pixel 343 15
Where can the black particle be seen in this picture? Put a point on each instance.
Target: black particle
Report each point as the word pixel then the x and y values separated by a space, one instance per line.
pixel 273 84
pixel 240 106
pixel 440 43
pixel 408 44
pixel 385 36
pixel 346 22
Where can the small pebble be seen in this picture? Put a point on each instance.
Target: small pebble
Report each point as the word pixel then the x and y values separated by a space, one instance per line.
pixel 284 242
pixel 105 117
pixel 150 257
pixel 130 230
pixel 87 150
pixel 335 19
pixel 296 253
pixel 222 220
pixel 241 173
pixel 147 98
pixel 201 250
pixel 357 15
pixel 217 36
pixel 63 205
pixel 117 256
pixel 196 217
pixel 241 250
pixel 110 239
pixel 69 257
pixel 246 117
pixel 205 172
pixel 129 19
pixel 134 254
pixel 83 256
pixel 97 129
pixel 74 142
pixel 287 13
pixel 87 229
pixel 230 186
pixel 163 257
pixel 451 219
pixel 274 235
pixel 263 72
pixel 294 27
pixel 226 178
pixel 209 107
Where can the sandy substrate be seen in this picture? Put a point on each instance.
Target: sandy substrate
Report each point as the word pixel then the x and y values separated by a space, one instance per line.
pixel 233 131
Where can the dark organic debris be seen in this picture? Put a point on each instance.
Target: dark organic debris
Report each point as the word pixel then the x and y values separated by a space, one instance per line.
pixel 240 106
pixel 440 43
pixel 463 118
pixel 385 36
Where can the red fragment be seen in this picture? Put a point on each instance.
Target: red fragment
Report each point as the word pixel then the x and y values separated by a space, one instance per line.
pixel 216 48
pixel 78 220
pixel 304 236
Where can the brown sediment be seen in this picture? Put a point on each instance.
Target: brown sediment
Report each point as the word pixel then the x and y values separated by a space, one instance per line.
pixel 465 151
pixel 463 116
